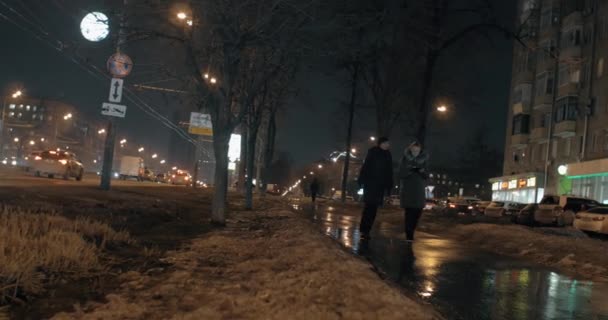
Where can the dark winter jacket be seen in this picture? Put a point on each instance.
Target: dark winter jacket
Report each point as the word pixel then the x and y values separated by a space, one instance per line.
pixel 413 178
pixel 314 187
pixel 376 176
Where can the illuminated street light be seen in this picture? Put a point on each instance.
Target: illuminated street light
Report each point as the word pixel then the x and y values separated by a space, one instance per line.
pixel 189 22
pixel 17 94
pixel 16 139
pixel 67 116
pixel 442 108
pixel 174 168
pixel 123 141
pixel 320 166
pixel 213 80
pixel 154 156
pixel 32 142
pixel 372 138
pixel 206 76
pixel 141 149
pixel 353 150
pixel 41 139
pixel 162 161
pixel 312 173
pixel 102 131
pixel 182 15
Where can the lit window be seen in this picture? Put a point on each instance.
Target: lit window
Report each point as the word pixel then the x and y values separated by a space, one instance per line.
pixel 11 114
pixel 20 115
pixel 34 116
pixel 20 106
pixel 12 106
pixel 41 117
pixel 34 108
pixel 27 107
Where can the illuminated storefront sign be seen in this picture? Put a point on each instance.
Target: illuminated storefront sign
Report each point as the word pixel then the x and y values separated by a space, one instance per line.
pixel 513 184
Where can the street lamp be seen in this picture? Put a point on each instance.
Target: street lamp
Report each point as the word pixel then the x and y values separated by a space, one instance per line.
pixel 442 109
pixel 162 161
pixel 213 80
pixel 67 116
pixel 189 23
pixel 372 138
pixel 123 141
pixel 16 139
pixel 174 168
pixel 154 156
pixel 32 142
pixel 320 166
pixel 141 149
pixel 17 94
pixel 101 131
pixel 312 173
pixel 41 139
pixel 353 150
pixel 182 15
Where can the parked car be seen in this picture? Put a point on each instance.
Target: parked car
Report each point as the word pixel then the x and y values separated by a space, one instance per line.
pixel 560 210
pixel 499 209
pixel 479 207
pixel 594 220
pixel 525 216
pixel 181 178
pixel 430 204
pixel 53 163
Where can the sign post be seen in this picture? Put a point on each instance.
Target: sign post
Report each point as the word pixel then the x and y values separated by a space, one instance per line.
pixel 119 65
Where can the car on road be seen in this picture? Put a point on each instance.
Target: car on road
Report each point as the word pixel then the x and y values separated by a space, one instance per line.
pixel 561 210
pixel 53 163
pixel 163 178
pixel 430 204
pixel 499 209
pixel 594 220
pixel 180 178
pixel 148 175
pixel 456 205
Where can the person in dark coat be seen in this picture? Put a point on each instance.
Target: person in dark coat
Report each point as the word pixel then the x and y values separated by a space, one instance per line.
pixel 314 189
pixel 413 177
pixel 376 179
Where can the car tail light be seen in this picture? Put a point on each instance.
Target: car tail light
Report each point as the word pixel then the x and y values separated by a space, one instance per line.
pixel 452 205
pixel 470 207
pixel 598 218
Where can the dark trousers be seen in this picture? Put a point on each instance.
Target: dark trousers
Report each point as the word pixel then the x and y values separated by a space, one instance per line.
pixel 412 215
pixel 369 215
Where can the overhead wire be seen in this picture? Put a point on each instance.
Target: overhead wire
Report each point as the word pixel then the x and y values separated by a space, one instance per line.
pixel 99 76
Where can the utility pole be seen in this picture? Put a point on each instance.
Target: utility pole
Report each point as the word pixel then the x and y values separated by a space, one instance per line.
pixel 349 133
pixel 108 154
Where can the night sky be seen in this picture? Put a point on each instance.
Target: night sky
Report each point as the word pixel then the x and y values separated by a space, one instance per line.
pixel 311 126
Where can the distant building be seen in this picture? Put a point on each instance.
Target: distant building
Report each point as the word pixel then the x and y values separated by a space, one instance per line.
pixel 557 138
pixel 34 124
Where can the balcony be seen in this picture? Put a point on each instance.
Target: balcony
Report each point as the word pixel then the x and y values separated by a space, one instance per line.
pixel 539 134
pixel 519 140
pixel 571 52
pixel 521 107
pixel 565 129
pixel 543 103
pixel 570 89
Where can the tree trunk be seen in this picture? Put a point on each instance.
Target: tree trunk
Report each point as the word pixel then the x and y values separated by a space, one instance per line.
pixel 220 147
pixel 242 161
pixel 349 133
pixel 269 151
pixel 250 160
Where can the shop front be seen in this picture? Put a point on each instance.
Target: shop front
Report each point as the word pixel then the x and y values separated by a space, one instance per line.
pixel 586 179
pixel 522 188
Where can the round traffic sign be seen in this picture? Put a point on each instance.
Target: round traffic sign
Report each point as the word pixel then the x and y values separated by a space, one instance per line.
pixel 120 65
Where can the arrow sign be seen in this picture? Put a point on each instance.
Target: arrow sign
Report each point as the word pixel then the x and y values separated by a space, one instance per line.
pixel 116 90
pixel 113 110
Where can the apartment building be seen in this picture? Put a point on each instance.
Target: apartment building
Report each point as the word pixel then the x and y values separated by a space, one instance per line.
pixel 557 138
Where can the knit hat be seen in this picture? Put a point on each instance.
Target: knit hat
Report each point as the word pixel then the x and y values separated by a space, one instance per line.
pixel 382 140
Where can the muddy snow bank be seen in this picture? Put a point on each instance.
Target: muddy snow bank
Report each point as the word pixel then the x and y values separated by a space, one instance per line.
pixel 567 249
pixel 264 265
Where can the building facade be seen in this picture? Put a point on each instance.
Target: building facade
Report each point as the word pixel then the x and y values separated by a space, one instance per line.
pixel 558 110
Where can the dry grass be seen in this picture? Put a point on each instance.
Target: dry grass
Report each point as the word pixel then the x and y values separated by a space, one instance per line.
pixel 36 245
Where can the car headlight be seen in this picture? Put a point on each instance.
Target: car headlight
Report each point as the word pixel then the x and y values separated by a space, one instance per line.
pixel 63 162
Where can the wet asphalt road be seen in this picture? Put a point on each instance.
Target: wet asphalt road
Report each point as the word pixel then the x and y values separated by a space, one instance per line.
pixel 464 283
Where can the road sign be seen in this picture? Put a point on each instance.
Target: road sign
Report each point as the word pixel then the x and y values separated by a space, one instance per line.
pixel 116 90
pixel 120 65
pixel 114 110
pixel 200 124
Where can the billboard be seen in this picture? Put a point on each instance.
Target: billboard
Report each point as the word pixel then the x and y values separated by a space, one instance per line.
pixel 200 124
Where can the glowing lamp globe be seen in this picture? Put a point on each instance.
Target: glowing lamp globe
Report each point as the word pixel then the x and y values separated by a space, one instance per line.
pixel 95 27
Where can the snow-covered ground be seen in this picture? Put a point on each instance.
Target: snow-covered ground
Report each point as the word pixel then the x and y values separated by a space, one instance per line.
pixel 268 264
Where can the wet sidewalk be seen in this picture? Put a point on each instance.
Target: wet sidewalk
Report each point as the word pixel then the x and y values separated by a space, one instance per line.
pixel 465 283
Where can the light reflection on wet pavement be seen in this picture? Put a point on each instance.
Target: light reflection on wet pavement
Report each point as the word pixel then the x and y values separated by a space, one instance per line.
pixel 463 283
